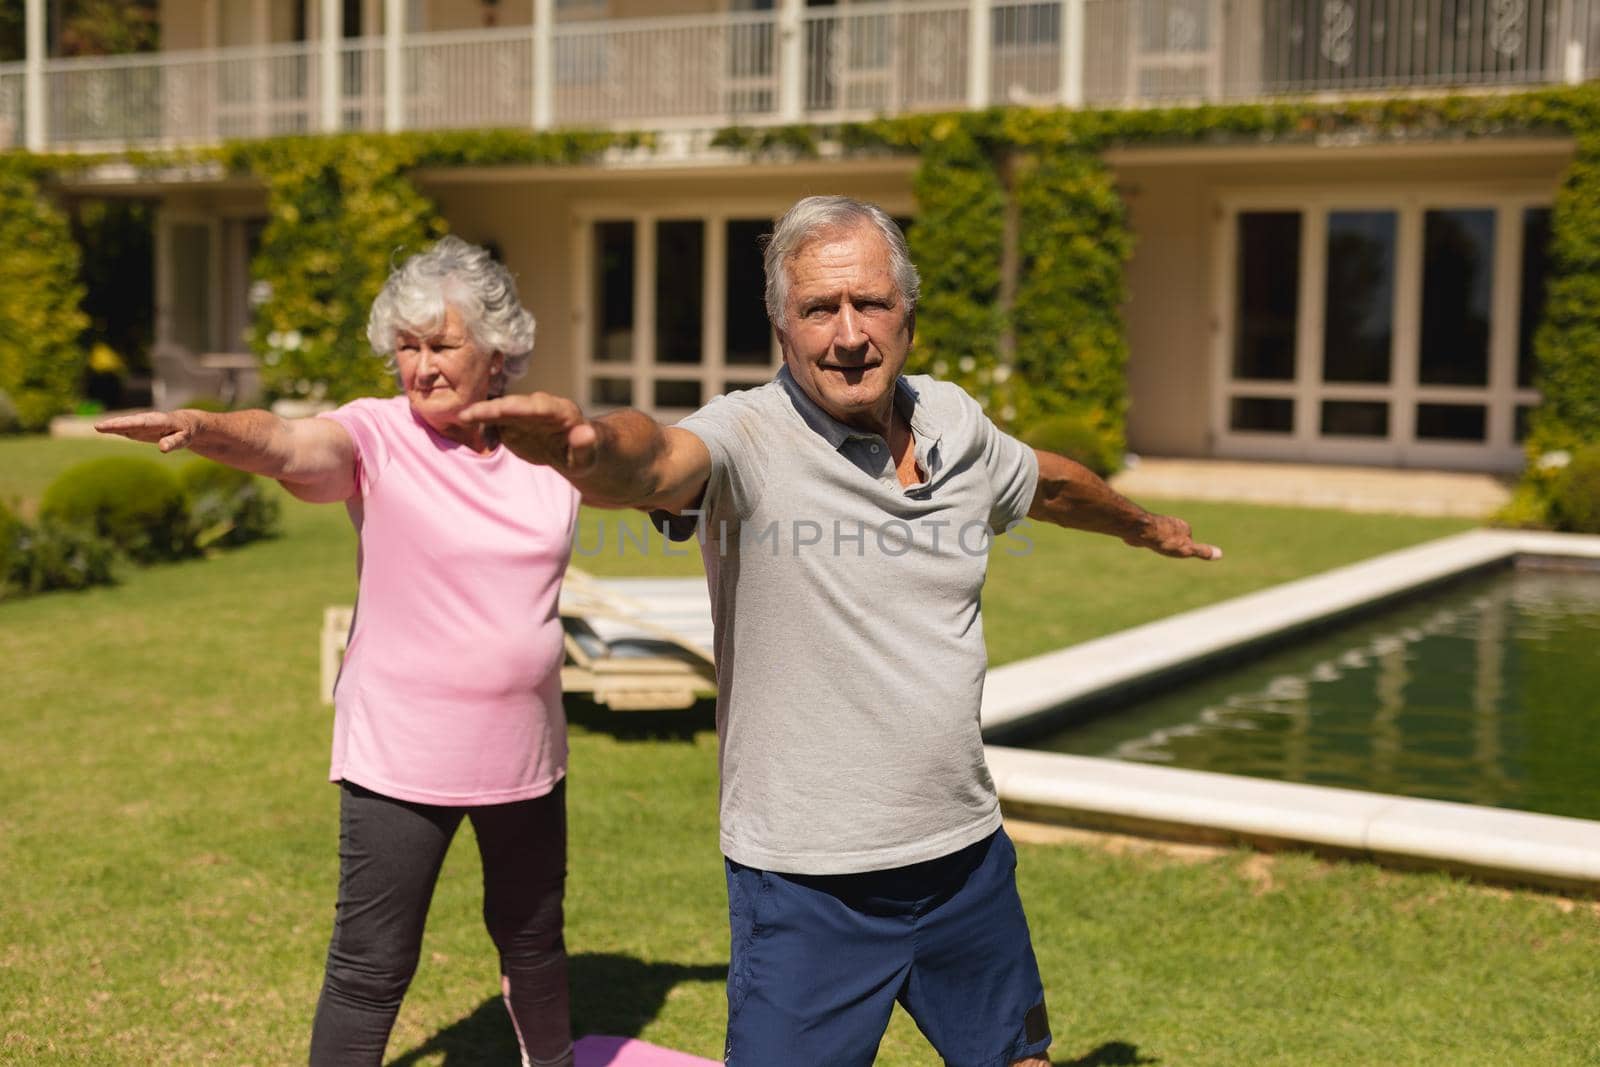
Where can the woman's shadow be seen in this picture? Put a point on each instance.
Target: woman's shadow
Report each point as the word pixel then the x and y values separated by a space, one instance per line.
pixel 611 994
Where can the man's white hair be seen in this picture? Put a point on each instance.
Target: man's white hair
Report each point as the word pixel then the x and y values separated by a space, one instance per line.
pixel 819 216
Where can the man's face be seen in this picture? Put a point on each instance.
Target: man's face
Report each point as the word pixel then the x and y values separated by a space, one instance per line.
pixel 846 329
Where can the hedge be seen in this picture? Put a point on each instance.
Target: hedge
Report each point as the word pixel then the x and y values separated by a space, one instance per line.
pixel 41 317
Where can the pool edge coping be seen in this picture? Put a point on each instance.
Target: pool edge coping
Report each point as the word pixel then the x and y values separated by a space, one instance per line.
pixel 1526 847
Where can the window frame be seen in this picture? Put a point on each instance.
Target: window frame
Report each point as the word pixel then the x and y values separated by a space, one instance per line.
pixel 713 372
pixel 1500 395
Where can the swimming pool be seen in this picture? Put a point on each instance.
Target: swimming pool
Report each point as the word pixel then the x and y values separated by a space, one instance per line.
pixel 1487 692
pixel 1029 698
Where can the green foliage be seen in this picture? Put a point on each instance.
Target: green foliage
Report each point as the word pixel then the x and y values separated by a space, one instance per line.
pixel 134 503
pixel 228 506
pixel 10 553
pixel 956 244
pixel 1575 494
pixel 1567 344
pixel 341 209
pixel 1071 345
pixel 60 555
pixel 10 421
pixel 1078 436
pixel 41 362
pixel 107 27
pixel 50 555
pixel 1528 508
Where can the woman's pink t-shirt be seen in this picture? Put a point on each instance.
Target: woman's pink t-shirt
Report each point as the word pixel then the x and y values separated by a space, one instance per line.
pixel 450 691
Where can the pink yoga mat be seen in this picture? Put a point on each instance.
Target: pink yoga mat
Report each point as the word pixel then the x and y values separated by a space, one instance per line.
pixel 630 1052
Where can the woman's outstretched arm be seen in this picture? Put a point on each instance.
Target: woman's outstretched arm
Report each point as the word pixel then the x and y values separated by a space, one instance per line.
pixel 313 458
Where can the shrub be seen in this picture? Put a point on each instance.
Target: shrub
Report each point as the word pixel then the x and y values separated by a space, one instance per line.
pixel 1528 508
pixel 227 506
pixel 956 243
pixel 57 555
pixel 134 503
pixel 41 362
pixel 208 403
pixel 10 422
pixel 1575 494
pixel 11 529
pixel 1078 437
pixel 1071 344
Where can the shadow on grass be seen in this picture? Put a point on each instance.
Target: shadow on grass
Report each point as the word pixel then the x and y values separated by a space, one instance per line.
pixel 681 725
pixel 613 995
pixel 1110 1054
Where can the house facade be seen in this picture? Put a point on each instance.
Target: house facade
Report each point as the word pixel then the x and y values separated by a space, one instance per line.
pixel 1365 301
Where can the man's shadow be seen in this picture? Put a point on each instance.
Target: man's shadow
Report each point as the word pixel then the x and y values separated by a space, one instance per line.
pixel 611 994
pixel 1110 1054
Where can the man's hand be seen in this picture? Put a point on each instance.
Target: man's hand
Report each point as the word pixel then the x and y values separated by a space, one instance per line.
pixel 540 428
pixel 167 430
pixel 1171 537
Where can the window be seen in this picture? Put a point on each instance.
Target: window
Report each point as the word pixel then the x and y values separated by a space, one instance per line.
pixel 675 310
pixel 1399 330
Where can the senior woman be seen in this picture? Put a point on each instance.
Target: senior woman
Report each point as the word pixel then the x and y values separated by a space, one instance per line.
pixel 449 701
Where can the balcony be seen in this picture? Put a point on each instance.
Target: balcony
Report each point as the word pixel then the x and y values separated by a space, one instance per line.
pixel 803 65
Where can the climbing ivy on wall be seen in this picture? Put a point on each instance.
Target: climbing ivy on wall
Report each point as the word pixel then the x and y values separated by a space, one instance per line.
pixel 41 317
pixel 1073 241
pixel 1567 343
pixel 340 211
pixel 956 243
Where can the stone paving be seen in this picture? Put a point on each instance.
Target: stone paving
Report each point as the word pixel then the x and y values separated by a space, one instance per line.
pixel 1367 489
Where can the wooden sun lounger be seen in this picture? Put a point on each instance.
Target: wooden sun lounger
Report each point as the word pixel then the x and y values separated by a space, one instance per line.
pixel 615 653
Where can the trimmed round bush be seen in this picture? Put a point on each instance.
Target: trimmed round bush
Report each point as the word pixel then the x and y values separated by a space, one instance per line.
pixel 228 506
pixel 54 555
pixel 1078 438
pixel 135 503
pixel 1575 496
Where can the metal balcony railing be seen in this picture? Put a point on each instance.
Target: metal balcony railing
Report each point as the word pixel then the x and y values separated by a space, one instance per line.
pixel 821 64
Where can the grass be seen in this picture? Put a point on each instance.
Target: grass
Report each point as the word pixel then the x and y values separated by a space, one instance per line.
pixel 167 847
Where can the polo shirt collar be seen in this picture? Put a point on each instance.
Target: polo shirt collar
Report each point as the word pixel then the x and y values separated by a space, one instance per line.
pixel 836 433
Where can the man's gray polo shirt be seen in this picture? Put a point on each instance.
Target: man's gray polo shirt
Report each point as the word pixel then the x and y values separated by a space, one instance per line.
pixel 849 641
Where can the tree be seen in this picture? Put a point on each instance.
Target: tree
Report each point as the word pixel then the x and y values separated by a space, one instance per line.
pixel 84 27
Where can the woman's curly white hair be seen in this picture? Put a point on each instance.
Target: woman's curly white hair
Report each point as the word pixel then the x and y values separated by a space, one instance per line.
pixel 464 276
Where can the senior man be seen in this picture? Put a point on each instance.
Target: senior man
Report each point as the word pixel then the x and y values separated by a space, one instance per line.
pixel 845 513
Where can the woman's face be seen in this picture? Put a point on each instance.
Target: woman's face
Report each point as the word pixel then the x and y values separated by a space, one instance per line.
pixel 444 372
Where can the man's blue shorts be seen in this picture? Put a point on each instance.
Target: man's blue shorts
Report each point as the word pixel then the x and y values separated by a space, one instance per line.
pixel 818 962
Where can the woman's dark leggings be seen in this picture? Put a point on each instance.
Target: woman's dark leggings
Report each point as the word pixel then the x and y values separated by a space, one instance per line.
pixel 390 852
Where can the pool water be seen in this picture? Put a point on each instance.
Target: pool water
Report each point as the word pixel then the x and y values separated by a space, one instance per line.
pixel 1486 693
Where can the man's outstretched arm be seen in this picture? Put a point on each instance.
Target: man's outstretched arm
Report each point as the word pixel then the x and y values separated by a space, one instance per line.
pixel 1070 494
pixel 621 460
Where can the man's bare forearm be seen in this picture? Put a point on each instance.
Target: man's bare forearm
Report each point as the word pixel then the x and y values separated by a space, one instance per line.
pixel 629 446
pixel 1070 494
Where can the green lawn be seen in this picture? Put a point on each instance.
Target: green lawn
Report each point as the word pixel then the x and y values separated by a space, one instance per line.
pixel 167 846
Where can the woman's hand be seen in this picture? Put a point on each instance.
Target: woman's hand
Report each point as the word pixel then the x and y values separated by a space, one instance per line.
pixel 167 430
